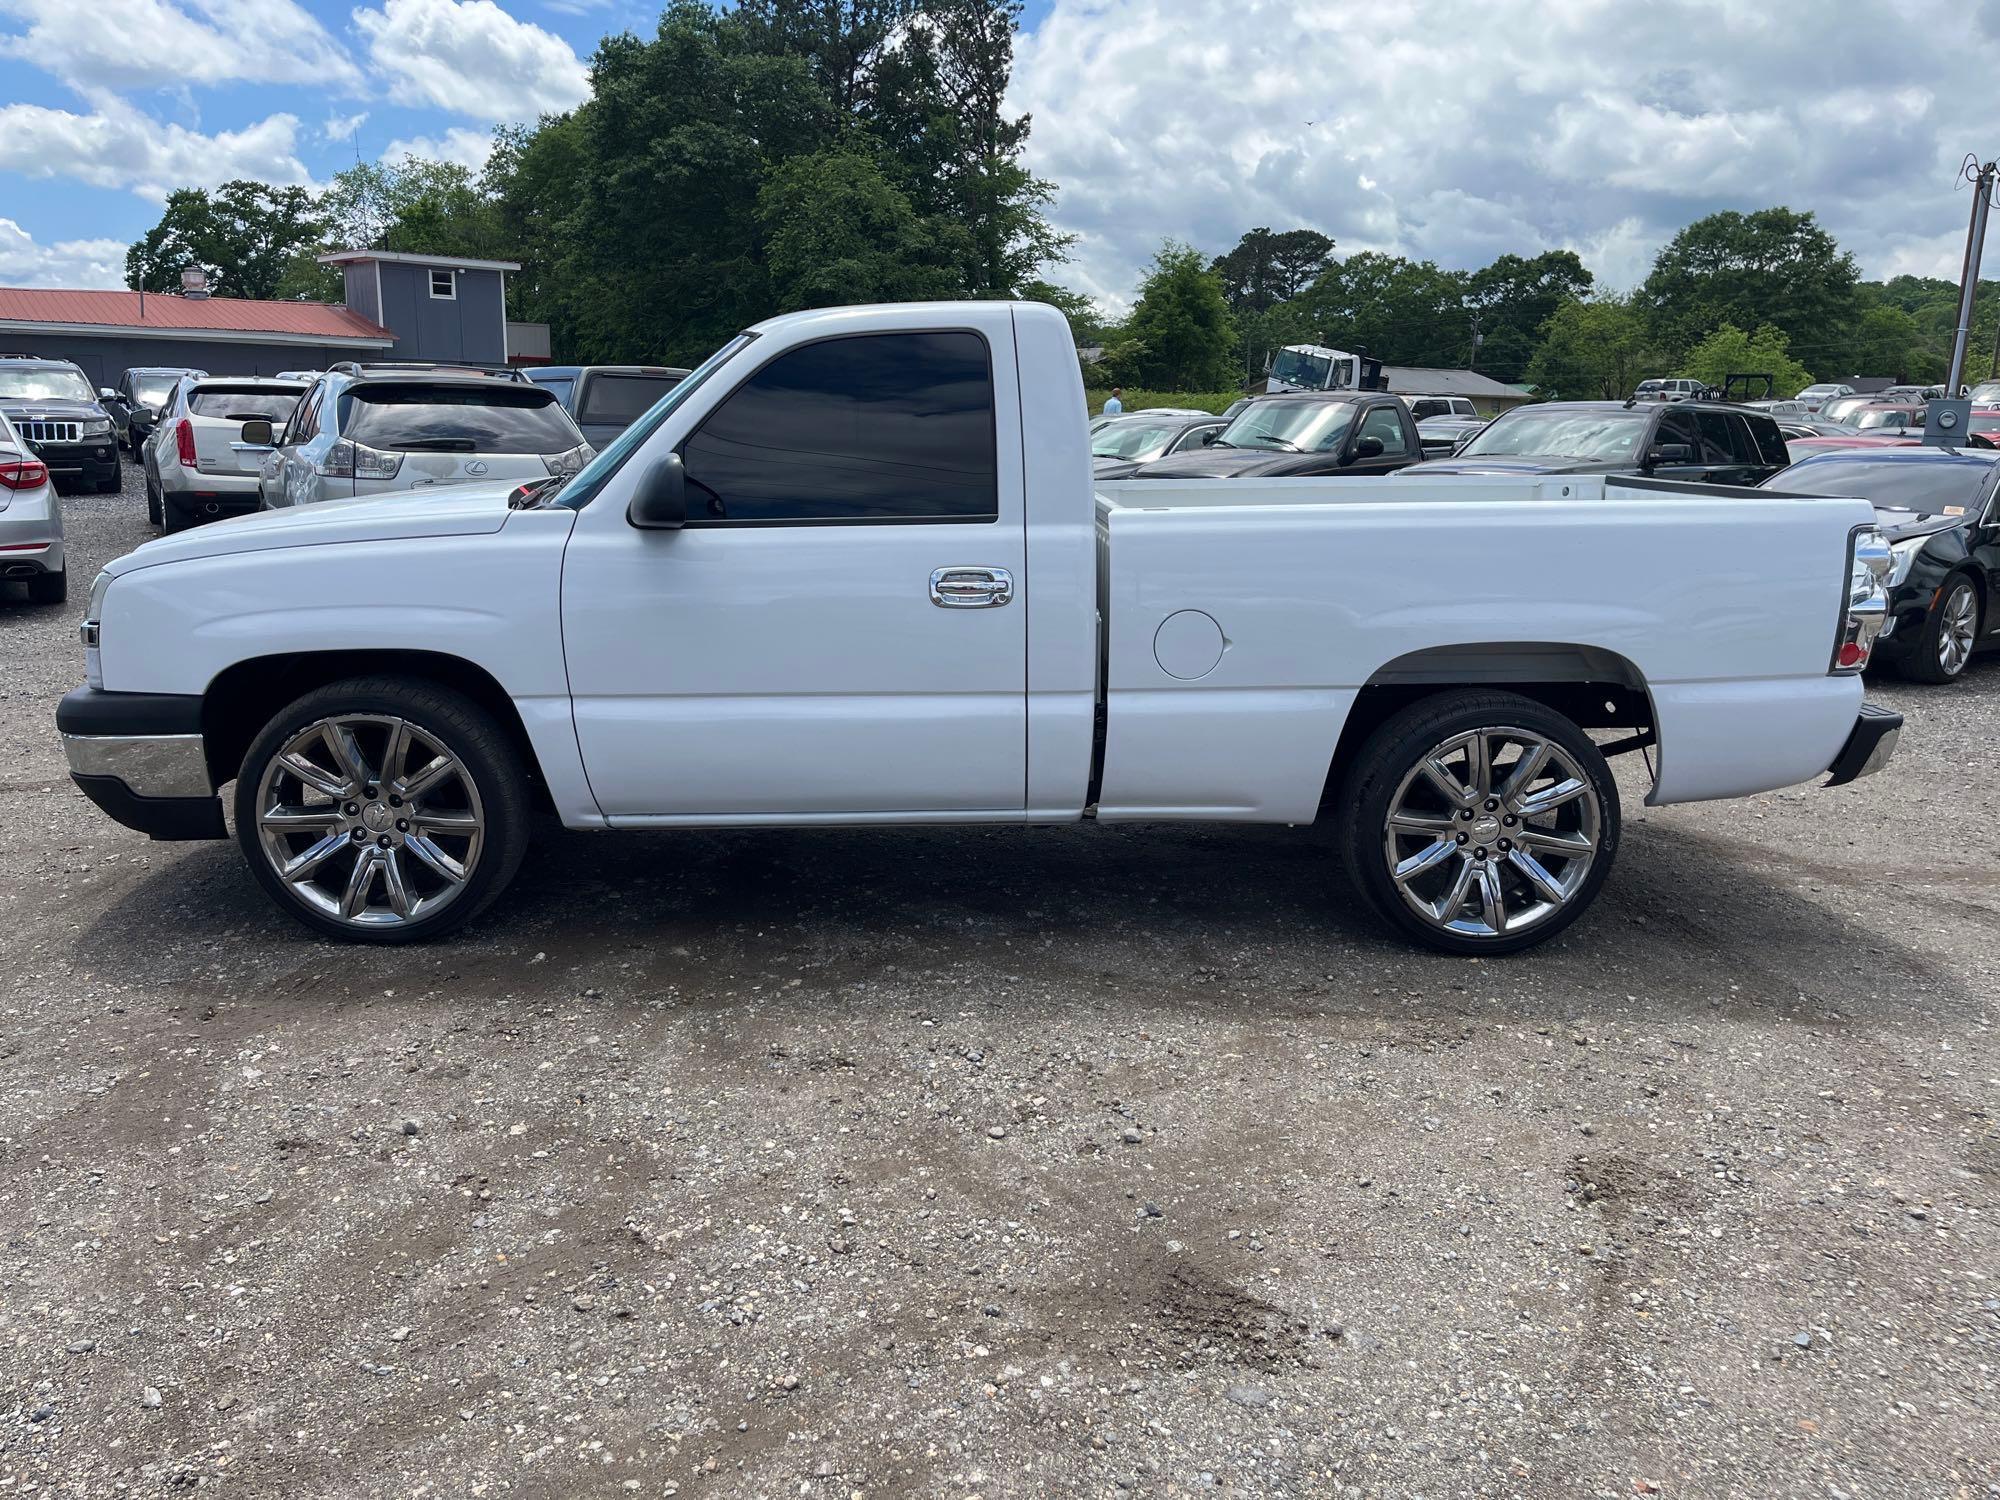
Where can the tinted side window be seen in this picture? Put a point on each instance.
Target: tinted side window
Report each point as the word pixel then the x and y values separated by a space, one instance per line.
pixel 622 398
pixel 1386 423
pixel 1678 427
pixel 1769 440
pixel 305 421
pixel 881 427
pixel 1421 409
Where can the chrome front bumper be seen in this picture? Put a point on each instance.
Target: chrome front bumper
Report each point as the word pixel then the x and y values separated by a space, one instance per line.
pixel 150 765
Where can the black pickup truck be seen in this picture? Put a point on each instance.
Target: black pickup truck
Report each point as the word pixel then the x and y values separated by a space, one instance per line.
pixel 1708 441
pixel 1301 434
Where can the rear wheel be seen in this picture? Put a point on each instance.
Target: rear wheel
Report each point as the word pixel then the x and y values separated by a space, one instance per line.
pixel 49 588
pixel 383 810
pixel 152 501
pixel 1479 822
pixel 1944 646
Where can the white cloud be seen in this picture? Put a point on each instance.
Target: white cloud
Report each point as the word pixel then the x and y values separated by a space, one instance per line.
pixel 128 150
pixel 67 263
pixel 340 127
pixel 470 57
pixel 469 148
pixel 125 44
pixel 1436 131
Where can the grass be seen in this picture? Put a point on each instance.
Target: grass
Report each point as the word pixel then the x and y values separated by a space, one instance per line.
pixel 1215 401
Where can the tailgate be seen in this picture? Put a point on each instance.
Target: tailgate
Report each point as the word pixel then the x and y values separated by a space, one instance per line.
pixel 421 469
pixel 213 453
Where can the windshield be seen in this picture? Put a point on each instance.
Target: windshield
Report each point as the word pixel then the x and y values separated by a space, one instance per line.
pixel 1928 485
pixel 1600 434
pixel 1140 439
pixel 1890 418
pixel 243 405
pixel 593 476
pixel 1987 392
pixel 496 419
pixel 1291 426
pixel 153 390
pixel 44 385
pixel 1296 367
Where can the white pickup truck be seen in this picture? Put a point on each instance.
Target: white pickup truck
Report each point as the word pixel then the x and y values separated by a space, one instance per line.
pixel 853 570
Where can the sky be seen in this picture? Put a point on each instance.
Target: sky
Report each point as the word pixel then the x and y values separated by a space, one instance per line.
pixel 1433 130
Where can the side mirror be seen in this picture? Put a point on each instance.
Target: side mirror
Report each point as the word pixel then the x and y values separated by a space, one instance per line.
pixel 1208 438
pixel 660 503
pixel 1670 453
pixel 1367 447
pixel 105 393
pixel 258 434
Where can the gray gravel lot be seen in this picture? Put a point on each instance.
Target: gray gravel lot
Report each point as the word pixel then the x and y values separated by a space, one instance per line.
pixel 1037 1163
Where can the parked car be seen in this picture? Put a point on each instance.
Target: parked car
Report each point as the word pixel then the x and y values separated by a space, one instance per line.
pixel 606 399
pixel 197 466
pixel 937 617
pixel 55 412
pixel 1444 435
pixel 1696 440
pixel 1986 393
pixel 1423 408
pixel 1813 397
pixel 1800 448
pixel 1938 510
pixel 1897 417
pixel 1121 445
pixel 1842 408
pixel 1669 390
pixel 373 433
pixel 1804 427
pixel 1984 422
pixel 134 403
pixel 31 529
pixel 1354 434
pixel 1909 393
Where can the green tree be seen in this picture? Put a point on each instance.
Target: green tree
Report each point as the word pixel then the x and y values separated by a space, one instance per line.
pixel 1773 266
pixel 1729 350
pixel 1513 298
pixel 1595 350
pixel 1180 335
pixel 835 231
pixel 1086 320
pixel 415 206
pixel 254 240
pixel 1266 268
pixel 1403 312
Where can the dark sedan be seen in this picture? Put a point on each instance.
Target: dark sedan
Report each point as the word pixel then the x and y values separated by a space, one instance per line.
pixel 1349 433
pixel 1938 509
pixel 1119 446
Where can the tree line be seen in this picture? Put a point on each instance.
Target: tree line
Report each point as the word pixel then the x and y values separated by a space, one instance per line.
pixel 771 155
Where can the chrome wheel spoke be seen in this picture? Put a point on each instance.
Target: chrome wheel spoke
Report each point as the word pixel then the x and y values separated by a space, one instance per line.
pixel 347 753
pixel 1435 825
pixel 1440 777
pixel 1446 910
pixel 456 824
pixel 397 752
pixel 1569 845
pixel 302 865
pixel 427 777
pixel 1546 801
pixel 327 783
pixel 1416 864
pixel 299 819
pixel 1545 884
pixel 1492 906
pixel 400 900
pixel 360 881
pixel 1523 775
pixel 440 863
pixel 1478 766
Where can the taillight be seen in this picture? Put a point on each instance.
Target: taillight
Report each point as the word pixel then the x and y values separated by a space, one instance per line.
pixel 184 442
pixel 23 473
pixel 1866 609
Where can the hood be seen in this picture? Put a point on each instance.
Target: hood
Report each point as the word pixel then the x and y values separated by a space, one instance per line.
pixel 1113 468
pixel 1899 525
pixel 41 409
pixel 456 510
pixel 1508 464
pixel 1217 463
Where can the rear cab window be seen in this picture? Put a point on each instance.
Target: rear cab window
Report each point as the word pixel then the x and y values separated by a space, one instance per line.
pixel 501 417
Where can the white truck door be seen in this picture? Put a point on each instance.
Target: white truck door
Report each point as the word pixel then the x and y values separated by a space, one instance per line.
pixel 838 631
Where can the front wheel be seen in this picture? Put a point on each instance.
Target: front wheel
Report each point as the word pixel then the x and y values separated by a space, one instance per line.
pixel 1951 630
pixel 383 809
pixel 1479 822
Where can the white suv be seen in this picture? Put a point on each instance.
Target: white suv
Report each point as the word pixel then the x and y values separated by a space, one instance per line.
pixel 364 432
pixel 198 468
pixel 1423 408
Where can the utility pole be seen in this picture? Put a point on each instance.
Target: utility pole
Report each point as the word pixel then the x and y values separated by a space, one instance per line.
pixel 1476 341
pixel 1981 178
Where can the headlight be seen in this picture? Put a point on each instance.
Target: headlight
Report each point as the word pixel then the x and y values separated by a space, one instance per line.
pixel 1902 558
pixel 96 426
pixel 569 462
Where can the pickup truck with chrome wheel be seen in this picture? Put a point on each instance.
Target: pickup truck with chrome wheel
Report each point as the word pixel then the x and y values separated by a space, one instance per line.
pixel 854 570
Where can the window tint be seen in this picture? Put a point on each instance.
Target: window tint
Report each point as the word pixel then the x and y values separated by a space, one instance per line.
pixel 1193 436
pixel 622 398
pixel 1678 427
pixel 458 419
pixel 1927 485
pixel 1385 423
pixel 878 427
pixel 243 404
pixel 1722 439
pixel 560 389
pixel 305 421
pixel 1769 440
pixel 1429 408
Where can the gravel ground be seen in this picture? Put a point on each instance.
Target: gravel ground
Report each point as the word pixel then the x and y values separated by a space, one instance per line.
pixel 1037 1163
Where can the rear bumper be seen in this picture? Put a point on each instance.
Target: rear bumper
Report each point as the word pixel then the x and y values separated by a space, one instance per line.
pixel 141 758
pixel 1868 748
pixel 31 537
pixel 214 498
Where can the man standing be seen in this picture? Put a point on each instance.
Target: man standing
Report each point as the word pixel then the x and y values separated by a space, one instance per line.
pixel 1114 405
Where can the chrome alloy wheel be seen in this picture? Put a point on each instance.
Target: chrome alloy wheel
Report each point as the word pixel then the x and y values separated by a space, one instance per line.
pixel 1958 623
pixel 370 819
pixel 1492 832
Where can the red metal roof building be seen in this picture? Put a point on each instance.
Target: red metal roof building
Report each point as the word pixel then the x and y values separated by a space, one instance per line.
pixel 30 310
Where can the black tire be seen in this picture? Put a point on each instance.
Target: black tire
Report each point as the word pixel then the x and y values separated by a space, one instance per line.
pixel 1395 752
pixel 172 520
pixel 1925 661
pixel 468 733
pixel 153 502
pixel 49 588
pixel 112 484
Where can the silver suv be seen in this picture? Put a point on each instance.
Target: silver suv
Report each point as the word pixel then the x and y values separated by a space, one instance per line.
pixel 361 431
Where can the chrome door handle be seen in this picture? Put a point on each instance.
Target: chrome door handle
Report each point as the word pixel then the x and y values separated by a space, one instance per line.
pixel 971 588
